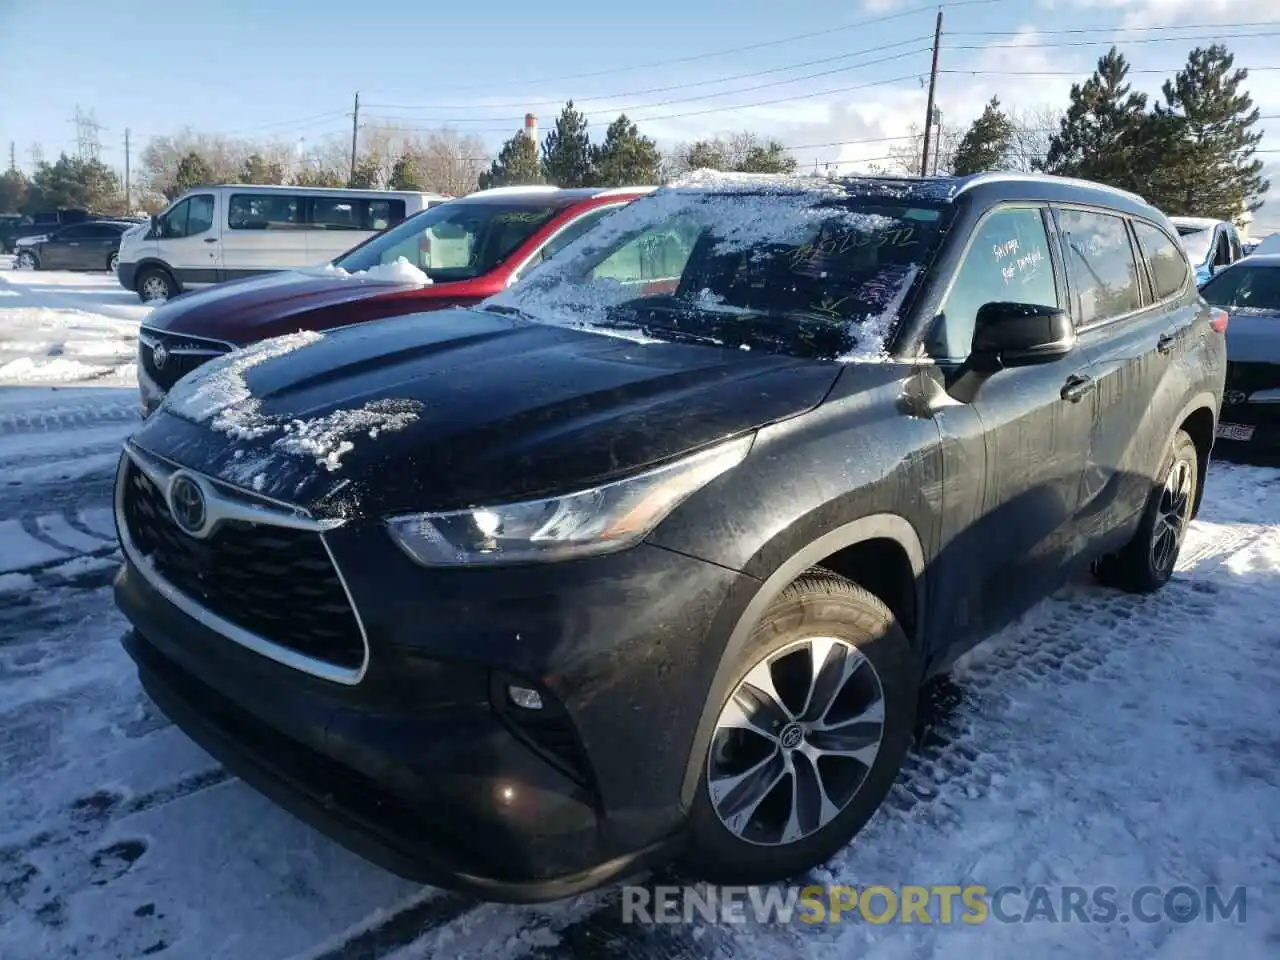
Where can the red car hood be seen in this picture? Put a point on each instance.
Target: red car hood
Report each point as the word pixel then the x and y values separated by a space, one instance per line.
pixel 244 311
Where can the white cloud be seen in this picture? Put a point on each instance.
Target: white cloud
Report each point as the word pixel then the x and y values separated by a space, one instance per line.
pixel 1155 13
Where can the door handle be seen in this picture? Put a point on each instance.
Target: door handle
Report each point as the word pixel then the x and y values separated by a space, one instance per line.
pixel 1167 342
pixel 1076 387
pixel 210 239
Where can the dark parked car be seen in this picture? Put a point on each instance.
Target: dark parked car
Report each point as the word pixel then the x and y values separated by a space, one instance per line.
pixel 93 245
pixel 1250 292
pixel 458 253
pixel 649 555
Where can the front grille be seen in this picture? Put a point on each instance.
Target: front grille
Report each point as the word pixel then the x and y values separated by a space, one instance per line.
pixel 184 354
pixel 276 582
pixel 1252 377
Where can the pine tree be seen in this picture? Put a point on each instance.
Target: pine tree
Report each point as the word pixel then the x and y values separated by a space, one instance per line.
pixel 767 157
pixel 257 169
pixel 13 191
pixel 566 151
pixel 1105 134
pixel 319 177
pixel 626 158
pixel 367 175
pixel 987 144
pixel 405 175
pixel 72 182
pixel 1210 168
pixel 517 164
pixel 706 155
pixel 193 171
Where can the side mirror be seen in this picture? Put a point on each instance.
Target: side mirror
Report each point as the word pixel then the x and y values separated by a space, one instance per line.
pixel 1019 335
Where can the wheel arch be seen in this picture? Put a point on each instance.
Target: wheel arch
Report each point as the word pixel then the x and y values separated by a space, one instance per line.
pixel 1199 419
pixel 155 263
pixel 832 551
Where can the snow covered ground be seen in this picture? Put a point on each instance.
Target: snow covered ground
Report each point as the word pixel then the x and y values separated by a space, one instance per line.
pixel 1102 740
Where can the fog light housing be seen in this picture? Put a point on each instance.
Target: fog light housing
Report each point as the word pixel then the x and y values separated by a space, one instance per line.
pixel 525 698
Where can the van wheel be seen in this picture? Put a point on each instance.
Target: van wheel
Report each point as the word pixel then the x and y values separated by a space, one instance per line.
pixel 155 284
pixel 1146 562
pixel 810 738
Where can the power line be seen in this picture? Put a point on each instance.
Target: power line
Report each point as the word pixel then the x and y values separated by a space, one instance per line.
pixel 679 86
pixel 1075 73
pixel 1113 29
pixel 1102 43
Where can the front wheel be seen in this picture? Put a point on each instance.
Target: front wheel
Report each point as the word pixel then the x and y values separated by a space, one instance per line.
pixel 155 285
pixel 1146 562
pixel 27 261
pixel 811 736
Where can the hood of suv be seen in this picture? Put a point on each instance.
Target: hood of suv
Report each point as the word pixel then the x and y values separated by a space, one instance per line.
pixel 474 407
pixel 244 311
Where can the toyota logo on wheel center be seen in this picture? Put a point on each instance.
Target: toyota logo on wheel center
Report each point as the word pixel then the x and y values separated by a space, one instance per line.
pixel 186 504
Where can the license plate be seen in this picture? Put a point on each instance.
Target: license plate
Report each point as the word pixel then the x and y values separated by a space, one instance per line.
pixel 1235 431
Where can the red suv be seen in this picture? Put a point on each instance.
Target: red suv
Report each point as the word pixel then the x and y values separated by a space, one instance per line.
pixel 454 254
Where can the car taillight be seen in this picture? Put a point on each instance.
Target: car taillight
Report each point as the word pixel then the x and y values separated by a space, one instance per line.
pixel 1218 321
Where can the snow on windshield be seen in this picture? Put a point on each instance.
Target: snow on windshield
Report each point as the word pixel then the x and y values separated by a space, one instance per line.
pixel 745 213
pixel 218 394
pixel 399 270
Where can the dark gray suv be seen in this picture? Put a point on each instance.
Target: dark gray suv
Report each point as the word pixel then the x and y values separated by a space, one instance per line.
pixel 649 555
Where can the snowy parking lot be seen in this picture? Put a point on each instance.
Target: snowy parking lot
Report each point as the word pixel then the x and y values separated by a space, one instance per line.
pixel 1102 740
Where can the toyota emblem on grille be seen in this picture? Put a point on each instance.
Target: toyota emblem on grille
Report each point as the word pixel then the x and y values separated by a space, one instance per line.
pixel 186 504
pixel 1234 396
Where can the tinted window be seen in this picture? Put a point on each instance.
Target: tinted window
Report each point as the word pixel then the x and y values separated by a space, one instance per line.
pixel 1008 261
pixel 384 213
pixel 1244 287
pixel 810 274
pixel 189 218
pixel 1102 267
pixel 572 232
pixel 330 213
pixel 454 241
pixel 74 233
pixel 103 231
pixel 264 211
pixel 1165 260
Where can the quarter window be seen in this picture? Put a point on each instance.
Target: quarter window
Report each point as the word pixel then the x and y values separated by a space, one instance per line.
pixel 1100 259
pixel 263 211
pixel 1164 258
pixel 1008 261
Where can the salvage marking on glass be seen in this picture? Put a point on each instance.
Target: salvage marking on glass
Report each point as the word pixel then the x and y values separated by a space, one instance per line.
pixel 852 240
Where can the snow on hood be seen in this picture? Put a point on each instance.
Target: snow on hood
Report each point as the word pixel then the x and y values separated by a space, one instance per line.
pixel 399 271
pixel 219 395
pixel 745 211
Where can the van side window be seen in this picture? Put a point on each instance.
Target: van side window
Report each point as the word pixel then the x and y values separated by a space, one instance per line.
pixel 1101 264
pixel 263 211
pixel 1008 260
pixel 332 213
pixel 189 218
pixel 1165 260
pixel 383 214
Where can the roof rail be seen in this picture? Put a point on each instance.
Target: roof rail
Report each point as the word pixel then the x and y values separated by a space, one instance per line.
pixel 614 191
pixel 998 176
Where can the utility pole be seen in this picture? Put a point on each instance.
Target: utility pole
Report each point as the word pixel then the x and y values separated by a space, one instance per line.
pixel 937 140
pixel 928 111
pixel 13 155
pixel 355 128
pixel 128 200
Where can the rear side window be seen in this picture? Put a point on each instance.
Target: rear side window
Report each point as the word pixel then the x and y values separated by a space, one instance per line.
pixel 384 213
pixel 1008 260
pixel 1165 260
pixel 264 211
pixel 1101 264
pixel 331 213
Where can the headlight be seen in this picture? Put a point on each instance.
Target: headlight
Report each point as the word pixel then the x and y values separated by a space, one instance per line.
pixel 603 519
pixel 30 241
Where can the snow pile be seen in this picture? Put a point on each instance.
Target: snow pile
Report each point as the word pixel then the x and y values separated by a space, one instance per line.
pixel 399 271
pixel 45 344
pixel 219 395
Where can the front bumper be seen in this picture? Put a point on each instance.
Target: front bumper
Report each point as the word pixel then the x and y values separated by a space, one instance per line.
pixel 1252 423
pixel 127 274
pixel 423 766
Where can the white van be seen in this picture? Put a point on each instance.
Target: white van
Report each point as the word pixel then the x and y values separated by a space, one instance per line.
pixel 232 231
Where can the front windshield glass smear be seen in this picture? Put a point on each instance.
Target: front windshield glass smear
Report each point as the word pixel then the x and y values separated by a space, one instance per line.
pixel 453 241
pixel 1196 240
pixel 814 273
pixel 1245 288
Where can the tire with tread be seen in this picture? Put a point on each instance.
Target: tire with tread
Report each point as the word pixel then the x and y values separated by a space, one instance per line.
pixel 1133 568
pixel 149 273
pixel 817 604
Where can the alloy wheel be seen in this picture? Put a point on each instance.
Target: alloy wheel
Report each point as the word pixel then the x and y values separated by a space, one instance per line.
pixel 1172 514
pixel 154 288
pixel 26 261
pixel 796 741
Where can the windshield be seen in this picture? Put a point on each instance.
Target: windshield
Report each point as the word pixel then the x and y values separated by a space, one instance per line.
pixel 453 241
pixel 820 273
pixel 1245 288
pixel 1196 240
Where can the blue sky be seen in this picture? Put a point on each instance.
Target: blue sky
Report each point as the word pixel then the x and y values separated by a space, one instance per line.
pixel 286 70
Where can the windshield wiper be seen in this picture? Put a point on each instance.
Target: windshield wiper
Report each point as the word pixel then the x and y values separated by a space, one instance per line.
pixel 507 311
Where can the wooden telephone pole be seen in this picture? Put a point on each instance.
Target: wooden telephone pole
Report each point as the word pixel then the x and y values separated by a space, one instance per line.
pixel 928 110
